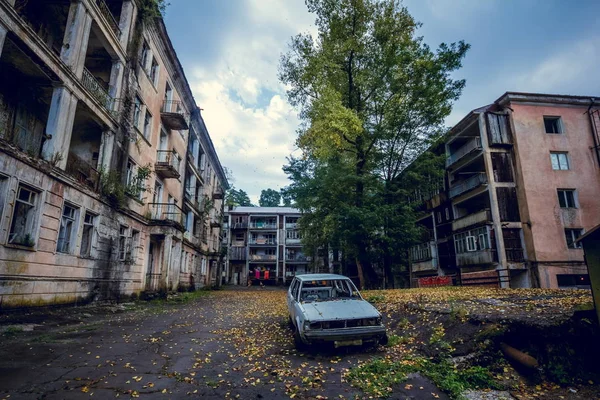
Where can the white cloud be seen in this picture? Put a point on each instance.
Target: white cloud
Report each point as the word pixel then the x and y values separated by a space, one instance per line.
pixel 245 107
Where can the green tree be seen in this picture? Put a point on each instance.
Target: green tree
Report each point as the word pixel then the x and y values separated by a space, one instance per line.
pixel 237 197
pixel 269 198
pixel 286 198
pixel 372 96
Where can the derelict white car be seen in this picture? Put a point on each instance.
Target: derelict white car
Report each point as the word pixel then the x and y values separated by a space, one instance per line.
pixel 328 308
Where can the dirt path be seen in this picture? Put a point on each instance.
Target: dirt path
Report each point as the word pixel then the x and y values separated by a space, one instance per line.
pixel 229 344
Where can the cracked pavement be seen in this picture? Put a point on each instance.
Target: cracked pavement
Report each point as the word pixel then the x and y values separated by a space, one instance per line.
pixel 225 344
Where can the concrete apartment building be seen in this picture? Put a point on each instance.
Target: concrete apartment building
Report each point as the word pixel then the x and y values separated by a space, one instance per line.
pixel 522 183
pixel 109 183
pixel 263 245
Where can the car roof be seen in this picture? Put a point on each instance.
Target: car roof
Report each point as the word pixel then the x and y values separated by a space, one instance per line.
pixel 319 277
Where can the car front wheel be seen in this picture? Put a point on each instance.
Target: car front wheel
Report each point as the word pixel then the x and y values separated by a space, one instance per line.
pixel 300 345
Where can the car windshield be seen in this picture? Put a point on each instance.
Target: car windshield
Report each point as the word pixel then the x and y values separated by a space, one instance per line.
pixel 329 289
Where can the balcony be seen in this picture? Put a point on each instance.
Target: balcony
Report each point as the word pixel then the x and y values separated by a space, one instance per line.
pixel 109 17
pixel 215 223
pixel 293 225
pixel 218 194
pixel 165 213
pixel 237 253
pixel 167 164
pixel 263 225
pixel 83 171
pixel 263 257
pixel 296 241
pixel 468 184
pixel 263 242
pixel 472 146
pixel 471 258
pixel 239 225
pixel 297 258
pixel 97 90
pixel 479 217
pixel 192 199
pixel 424 257
pixel 173 115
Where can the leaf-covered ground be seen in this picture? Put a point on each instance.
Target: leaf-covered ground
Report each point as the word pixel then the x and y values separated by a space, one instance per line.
pixel 237 344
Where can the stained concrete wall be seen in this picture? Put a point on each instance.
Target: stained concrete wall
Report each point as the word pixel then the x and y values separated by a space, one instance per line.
pixel 544 220
pixel 41 275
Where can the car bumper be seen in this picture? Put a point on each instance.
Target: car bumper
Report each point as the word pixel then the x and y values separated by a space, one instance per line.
pixel 370 333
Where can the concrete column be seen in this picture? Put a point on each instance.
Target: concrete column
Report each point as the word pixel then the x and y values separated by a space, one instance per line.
pixel 3 32
pixel 59 126
pixel 503 272
pixel 128 15
pixel 106 150
pixel 166 262
pixel 116 80
pixel 77 34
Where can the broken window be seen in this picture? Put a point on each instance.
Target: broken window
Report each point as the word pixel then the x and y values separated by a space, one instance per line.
pixel 508 204
pixel 566 198
pixel 572 235
pixel 474 240
pixel 133 245
pixel 145 56
pixel 147 125
pixel 560 161
pixel 498 129
pixel 501 163
pixel 553 125
pixel 154 72
pixel 23 219
pixel 122 242
pixel 68 229
pixel 137 112
pixel 87 235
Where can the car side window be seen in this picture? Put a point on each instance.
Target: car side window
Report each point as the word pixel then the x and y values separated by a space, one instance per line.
pixel 295 286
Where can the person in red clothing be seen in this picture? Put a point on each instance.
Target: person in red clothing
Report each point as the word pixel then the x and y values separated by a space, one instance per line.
pixel 266 274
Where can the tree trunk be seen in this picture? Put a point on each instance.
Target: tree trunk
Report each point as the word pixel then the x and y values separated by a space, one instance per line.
pixel 361 275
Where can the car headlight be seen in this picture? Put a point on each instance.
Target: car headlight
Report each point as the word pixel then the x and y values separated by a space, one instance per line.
pixel 306 325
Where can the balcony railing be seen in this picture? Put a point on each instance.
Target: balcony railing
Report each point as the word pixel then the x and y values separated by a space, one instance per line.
pixel 293 240
pixel 83 171
pixel 422 252
pixel 167 163
pixel 237 253
pixel 475 218
pixel 97 90
pixel 173 115
pixel 471 146
pixel 167 212
pixel 262 225
pixel 218 194
pixel 515 255
pixel 480 257
pixel 268 242
pixel 291 225
pixel 263 257
pixel 468 184
pixel 109 17
pixel 296 258
pixel 239 225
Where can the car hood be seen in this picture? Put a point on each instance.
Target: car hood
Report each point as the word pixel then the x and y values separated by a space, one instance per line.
pixel 338 309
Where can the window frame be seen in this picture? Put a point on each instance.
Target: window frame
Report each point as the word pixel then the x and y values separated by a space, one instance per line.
pixel 563 198
pixel 123 236
pixel 570 234
pixel 34 224
pixel 558 161
pixel 147 131
pixel 74 222
pixel 559 125
pixel 138 108
pixel 92 238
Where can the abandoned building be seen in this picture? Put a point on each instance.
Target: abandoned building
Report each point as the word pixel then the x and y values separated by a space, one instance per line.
pixel 109 183
pixel 522 183
pixel 264 245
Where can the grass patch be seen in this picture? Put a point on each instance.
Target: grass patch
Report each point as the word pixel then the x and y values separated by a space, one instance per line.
pixel 376 298
pixel 376 377
pixel 395 340
pixel 12 332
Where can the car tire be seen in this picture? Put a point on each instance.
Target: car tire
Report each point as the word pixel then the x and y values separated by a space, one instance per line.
pixel 384 340
pixel 291 323
pixel 300 345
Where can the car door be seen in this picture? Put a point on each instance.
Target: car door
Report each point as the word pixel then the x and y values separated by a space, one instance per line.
pixel 290 297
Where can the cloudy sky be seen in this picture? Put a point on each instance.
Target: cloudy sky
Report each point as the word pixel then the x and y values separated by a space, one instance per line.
pixel 230 51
